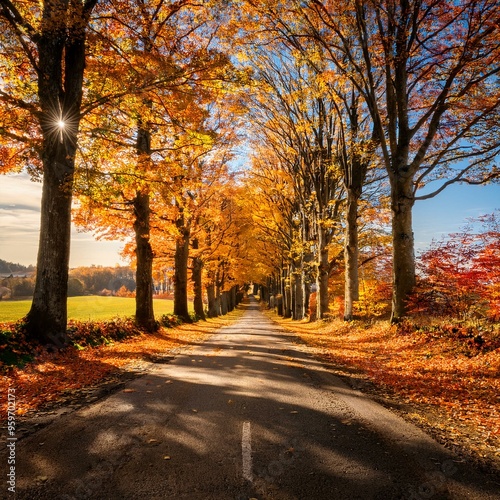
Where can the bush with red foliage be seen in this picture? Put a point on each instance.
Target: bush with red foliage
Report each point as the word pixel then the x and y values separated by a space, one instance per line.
pixel 460 276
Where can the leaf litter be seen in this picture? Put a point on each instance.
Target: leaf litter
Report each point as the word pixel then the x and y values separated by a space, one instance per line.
pixel 441 382
pixel 72 375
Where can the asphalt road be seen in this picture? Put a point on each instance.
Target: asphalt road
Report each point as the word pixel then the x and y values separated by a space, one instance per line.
pixel 248 414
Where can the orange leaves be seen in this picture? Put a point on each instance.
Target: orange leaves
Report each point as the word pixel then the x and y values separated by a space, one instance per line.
pixel 55 374
pixel 59 376
pixel 444 379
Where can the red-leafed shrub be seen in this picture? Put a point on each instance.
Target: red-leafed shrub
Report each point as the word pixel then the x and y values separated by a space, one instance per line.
pixel 460 275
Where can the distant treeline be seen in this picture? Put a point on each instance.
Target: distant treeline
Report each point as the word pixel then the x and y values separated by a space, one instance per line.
pixel 97 280
pixel 11 268
pixel 94 280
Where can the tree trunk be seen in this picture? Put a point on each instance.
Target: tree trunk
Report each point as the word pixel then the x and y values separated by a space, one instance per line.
pixel 218 299
pixel 306 290
pixel 196 277
pixel 223 303
pixel 47 318
pixel 281 293
pixel 307 257
pixel 232 298
pixel 403 273
pixel 322 274
pixel 61 63
pixel 144 313
pixel 212 302
pixel 299 295
pixel 351 253
pixel 287 295
pixel 181 261
pixel 264 293
pixel 240 293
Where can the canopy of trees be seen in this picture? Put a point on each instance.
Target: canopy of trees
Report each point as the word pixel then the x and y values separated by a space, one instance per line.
pixel 283 143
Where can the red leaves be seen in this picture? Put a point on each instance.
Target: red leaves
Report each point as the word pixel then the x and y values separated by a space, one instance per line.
pixel 460 276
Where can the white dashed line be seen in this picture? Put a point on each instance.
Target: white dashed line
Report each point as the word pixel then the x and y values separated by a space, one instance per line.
pixel 246 450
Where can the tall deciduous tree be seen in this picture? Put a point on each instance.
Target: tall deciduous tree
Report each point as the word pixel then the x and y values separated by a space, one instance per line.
pixel 428 73
pixel 167 67
pixel 433 115
pixel 49 41
pixel 296 115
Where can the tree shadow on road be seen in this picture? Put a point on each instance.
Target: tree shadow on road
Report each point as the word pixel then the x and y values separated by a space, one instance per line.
pixel 177 433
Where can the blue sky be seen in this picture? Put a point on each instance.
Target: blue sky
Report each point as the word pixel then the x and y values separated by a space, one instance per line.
pixel 448 212
pixel 20 220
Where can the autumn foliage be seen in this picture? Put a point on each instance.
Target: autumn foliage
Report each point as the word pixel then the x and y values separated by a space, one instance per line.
pixel 440 376
pixel 100 353
pixel 460 275
pixel 135 114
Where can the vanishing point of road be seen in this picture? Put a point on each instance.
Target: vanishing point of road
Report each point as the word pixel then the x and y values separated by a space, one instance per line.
pixel 247 414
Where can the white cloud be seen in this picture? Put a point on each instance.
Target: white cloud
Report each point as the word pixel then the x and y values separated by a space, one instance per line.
pixel 20 200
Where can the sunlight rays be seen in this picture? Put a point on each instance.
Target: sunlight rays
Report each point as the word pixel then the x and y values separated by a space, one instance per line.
pixel 61 125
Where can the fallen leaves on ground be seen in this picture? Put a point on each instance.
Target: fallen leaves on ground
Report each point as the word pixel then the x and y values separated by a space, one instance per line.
pixel 52 376
pixel 452 391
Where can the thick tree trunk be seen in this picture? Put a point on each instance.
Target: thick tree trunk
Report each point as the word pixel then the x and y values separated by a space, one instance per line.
pixel 218 299
pixel 181 261
pixel 239 294
pixel 232 298
pixel 287 294
pixel 47 318
pixel 299 295
pixel 220 279
pixel 403 273
pixel 144 313
pixel 322 274
pixel 307 294
pixel 61 63
pixel 223 303
pixel 306 285
pixel 351 253
pixel 281 293
pixel 264 293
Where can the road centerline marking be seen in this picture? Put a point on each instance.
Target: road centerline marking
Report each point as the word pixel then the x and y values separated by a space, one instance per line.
pixel 246 452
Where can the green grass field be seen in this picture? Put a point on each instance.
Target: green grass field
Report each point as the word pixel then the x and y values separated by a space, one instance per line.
pixel 86 308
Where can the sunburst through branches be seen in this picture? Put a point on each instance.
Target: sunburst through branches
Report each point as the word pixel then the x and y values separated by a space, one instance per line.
pixel 61 125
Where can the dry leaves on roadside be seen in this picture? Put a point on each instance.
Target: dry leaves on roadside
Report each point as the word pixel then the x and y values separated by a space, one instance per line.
pixel 55 376
pixel 454 391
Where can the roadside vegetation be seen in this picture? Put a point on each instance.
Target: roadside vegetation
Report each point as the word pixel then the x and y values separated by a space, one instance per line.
pixel 440 365
pixel 442 375
pixel 101 353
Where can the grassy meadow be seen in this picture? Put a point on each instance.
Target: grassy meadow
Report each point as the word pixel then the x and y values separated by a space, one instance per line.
pixel 86 308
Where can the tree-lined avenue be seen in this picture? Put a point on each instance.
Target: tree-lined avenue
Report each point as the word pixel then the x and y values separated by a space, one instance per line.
pixel 247 414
